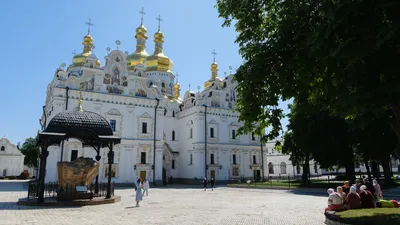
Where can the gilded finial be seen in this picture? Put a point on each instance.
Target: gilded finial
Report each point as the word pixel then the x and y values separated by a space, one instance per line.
pixel 159 22
pixel 143 13
pixel 90 24
pixel 80 100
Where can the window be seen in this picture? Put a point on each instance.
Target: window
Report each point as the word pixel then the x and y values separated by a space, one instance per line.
pixel 283 168
pixel 173 135
pixel 212 132
pixel 253 138
pixel 254 159
pixel 173 164
pixel 74 155
pixel 191 133
pixel 151 84
pixel 173 113
pixel 212 158
pixel 233 134
pixel 143 157
pixel 234 159
pixel 113 124
pixel 3 148
pixel 191 159
pixel 315 168
pixel 163 85
pixel 298 169
pixel 144 128
pixel 270 168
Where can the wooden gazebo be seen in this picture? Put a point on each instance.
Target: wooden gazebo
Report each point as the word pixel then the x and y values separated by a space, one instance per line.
pixel 90 128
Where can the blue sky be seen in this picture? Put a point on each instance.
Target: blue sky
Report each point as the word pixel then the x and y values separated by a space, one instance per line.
pixel 37 36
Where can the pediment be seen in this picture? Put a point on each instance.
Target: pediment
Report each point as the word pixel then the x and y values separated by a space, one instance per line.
pixel 114 112
pixel 145 115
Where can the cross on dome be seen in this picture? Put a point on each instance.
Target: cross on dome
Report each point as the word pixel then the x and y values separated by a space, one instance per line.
pixel 90 24
pixel 214 53
pixel 143 13
pixel 74 52
pixel 159 22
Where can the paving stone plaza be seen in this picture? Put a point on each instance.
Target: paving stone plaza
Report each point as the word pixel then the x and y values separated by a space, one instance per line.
pixel 176 206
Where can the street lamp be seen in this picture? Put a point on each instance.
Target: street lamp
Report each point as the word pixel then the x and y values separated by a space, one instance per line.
pixel 205 140
pixel 154 141
pixel 262 158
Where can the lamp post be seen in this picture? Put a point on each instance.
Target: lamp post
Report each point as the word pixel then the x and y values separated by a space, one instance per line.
pixel 262 159
pixel 205 140
pixel 154 141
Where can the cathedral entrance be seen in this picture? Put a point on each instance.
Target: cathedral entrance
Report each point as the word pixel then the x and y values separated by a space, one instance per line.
pixel 143 175
pixel 212 174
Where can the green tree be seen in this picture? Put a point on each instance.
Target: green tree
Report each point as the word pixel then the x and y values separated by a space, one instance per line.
pixel 31 151
pixel 340 54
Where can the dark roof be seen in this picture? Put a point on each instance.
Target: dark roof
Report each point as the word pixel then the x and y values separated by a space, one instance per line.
pixel 75 121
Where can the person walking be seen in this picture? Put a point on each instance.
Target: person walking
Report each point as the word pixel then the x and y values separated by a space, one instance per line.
pixel 138 191
pixel 146 186
pixel 205 183
pixel 212 182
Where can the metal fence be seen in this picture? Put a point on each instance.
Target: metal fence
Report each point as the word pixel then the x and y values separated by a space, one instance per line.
pixel 52 191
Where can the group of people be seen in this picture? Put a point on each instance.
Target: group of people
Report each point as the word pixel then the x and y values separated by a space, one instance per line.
pixel 142 187
pixel 362 194
pixel 212 183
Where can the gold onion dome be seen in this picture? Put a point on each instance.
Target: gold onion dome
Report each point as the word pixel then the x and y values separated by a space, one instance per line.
pixel 177 90
pixel 159 61
pixel 80 59
pixel 140 55
pixel 214 74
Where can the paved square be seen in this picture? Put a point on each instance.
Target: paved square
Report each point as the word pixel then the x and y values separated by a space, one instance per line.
pixel 177 206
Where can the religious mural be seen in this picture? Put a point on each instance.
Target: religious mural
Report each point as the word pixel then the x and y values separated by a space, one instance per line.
pixel 107 78
pixel 76 73
pixel 235 171
pixel 124 81
pixel 114 89
pixel 87 85
pixel 113 170
pixel 141 93
pixel 115 79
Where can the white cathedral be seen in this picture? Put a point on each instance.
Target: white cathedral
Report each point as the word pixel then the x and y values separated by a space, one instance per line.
pixel 130 90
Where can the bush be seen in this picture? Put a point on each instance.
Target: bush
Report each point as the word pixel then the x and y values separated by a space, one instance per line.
pixel 2 178
pixel 342 177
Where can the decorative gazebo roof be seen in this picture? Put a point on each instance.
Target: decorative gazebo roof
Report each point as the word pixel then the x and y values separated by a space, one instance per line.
pixel 76 119
pixel 89 127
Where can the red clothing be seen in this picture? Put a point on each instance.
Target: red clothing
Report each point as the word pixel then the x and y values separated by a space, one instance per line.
pixel 353 201
pixel 346 189
pixel 367 200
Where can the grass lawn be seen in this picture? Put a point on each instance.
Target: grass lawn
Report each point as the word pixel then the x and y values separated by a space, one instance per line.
pixel 371 216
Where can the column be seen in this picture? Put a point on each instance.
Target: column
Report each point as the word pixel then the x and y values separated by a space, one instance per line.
pixel 110 163
pixel 42 173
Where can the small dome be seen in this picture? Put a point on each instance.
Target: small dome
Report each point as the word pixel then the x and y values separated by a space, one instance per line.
pixel 80 59
pixel 75 120
pixel 140 55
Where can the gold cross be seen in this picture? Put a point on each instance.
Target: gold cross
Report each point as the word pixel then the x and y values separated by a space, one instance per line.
pixel 159 21
pixel 90 24
pixel 143 13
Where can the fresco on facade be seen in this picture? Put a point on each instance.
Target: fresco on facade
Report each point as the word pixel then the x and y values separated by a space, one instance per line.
pixel 124 81
pixel 141 93
pixel 107 78
pixel 115 76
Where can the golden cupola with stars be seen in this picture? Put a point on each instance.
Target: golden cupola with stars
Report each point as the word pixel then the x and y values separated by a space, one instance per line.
pixel 140 55
pixel 158 61
pixel 214 73
pixel 80 59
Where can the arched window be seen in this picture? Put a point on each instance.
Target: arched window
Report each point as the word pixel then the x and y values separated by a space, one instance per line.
pixel 270 168
pixel 151 84
pixel 3 148
pixel 283 168
pixel 163 85
pixel 173 135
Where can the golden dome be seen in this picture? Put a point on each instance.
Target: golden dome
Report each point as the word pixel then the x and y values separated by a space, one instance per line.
pixel 177 90
pixel 158 61
pixel 80 59
pixel 214 74
pixel 140 55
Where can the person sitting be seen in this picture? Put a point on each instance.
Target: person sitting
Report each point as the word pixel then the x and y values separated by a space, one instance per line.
pixel 339 191
pixel 346 187
pixel 378 190
pixel 334 201
pixel 353 200
pixel 369 186
pixel 367 199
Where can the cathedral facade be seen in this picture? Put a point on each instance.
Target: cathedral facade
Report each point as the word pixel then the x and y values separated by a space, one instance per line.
pixel 163 133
